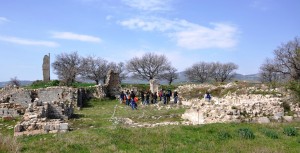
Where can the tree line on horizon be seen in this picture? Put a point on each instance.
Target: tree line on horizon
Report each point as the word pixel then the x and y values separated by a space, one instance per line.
pixel 69 66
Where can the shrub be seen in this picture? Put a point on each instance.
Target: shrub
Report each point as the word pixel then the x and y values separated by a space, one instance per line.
pixel 246 133
pixel 290 131
pixel 271 134
pixel 224 135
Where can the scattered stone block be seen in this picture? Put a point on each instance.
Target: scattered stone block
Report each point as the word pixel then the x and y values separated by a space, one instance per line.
pixel 63 126
pixel 288 118
pixel 263 120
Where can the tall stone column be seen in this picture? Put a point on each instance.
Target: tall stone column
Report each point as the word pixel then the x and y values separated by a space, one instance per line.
pixel 46 68
pixel 154 85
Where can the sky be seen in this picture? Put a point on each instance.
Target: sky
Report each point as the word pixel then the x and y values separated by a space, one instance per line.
pixel 244 32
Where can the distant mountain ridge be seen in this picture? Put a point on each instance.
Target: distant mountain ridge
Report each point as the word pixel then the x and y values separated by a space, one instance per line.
pixel 181 79
pixel 23 83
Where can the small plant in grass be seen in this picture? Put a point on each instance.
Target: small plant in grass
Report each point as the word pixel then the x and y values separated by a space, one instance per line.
pixel 246 133
pixel 224 135
pixel 290 131
pixel 271 134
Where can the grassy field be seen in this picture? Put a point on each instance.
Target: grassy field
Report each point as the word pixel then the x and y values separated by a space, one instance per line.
pixel 94 131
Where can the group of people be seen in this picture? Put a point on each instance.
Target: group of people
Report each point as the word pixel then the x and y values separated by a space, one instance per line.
pixel 131 99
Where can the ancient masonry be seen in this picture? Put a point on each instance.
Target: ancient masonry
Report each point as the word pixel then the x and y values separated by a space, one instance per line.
pixel 46 68
pixel 112 84
pixel 46 110
pixel 154 85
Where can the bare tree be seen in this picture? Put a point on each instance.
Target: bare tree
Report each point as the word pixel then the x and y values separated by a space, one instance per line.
pixel 199 72
pixel 149 66
pixel 66 67
pixel 287 59
pixel 223 72
pixel 94 68
pixel 269 72
pixel 170 75
pixel 15 82
pixel 119 68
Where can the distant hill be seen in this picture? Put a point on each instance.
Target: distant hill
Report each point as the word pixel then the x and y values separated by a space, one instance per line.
pixel 182 78
pixel 23 83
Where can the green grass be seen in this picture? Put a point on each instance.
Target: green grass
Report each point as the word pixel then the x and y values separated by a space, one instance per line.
pixel 93 131
pixel 41 84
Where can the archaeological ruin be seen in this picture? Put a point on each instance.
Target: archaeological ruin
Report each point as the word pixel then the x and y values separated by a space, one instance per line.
pixel 46 110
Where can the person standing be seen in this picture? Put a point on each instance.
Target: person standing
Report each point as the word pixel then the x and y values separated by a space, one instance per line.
pixel 147 97
pixel 169 94
pixel 160 95
pixel 142 96
pixel 122 97
pixel 175 97
pixel 155 97
pixel 164 97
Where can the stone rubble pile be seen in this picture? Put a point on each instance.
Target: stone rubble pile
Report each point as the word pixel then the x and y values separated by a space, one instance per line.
pixel 44 117
pixel 234 107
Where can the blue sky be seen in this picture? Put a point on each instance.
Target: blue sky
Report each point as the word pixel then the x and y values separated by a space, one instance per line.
pixel 186 31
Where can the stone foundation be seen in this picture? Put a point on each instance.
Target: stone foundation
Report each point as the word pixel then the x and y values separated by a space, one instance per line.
pixel 44 117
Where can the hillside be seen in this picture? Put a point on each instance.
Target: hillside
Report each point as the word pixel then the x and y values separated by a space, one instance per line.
pixel 182 79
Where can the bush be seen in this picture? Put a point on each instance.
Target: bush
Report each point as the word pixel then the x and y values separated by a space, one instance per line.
pixel 41 84
pixel 224 135
pixel 271 134
pixel 290 131
pixel 246 133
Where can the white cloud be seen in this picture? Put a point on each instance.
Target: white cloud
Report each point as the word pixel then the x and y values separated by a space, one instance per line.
pixel 74 36
pixel 220 36
pixel 22 41
pixel 149 5
pixel 3 19
pixel 186 34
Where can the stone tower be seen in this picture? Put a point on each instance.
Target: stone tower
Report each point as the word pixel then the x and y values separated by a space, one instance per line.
pixel 46 68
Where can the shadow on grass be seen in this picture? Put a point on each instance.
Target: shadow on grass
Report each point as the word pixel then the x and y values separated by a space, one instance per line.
pixel 77 116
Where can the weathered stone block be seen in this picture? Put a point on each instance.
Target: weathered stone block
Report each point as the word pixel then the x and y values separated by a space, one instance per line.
pixel 63 126
pixel 288 118
pixel 263 120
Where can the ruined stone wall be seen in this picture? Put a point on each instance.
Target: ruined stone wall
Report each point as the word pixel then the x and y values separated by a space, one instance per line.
pixel 20 99
pixel 112 84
